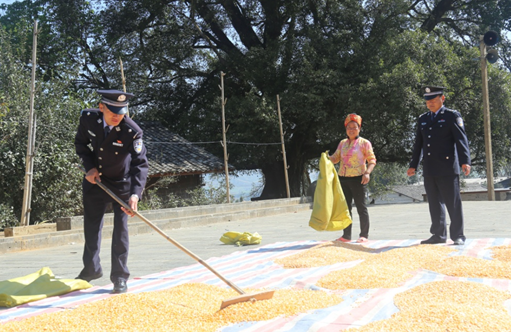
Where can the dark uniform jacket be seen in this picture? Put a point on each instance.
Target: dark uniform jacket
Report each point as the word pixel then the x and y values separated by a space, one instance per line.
pixel 442 143
pixel 119 158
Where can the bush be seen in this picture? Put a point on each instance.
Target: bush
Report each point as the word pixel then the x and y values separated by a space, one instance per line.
pixel 7 217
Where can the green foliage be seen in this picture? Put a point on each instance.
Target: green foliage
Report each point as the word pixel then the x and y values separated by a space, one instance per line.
pixel 323 58
pixel 156 197
pixel 56 189
pixel 7 216
pixel 385 176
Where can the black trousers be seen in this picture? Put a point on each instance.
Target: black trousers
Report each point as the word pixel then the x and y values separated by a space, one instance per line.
pixel 353 189
pixel 95 203
pixel 444 192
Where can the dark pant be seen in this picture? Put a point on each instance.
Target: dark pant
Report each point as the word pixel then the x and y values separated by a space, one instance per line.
pixel 95 203
pixel 353 189
pixel 442 192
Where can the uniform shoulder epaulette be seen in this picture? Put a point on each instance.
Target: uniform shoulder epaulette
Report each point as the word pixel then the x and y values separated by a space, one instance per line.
pixel 454 112
pixel 89 111
pixel 133 128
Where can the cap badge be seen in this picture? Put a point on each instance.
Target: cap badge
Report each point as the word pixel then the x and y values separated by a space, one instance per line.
pixel 121 98
pixel 428 90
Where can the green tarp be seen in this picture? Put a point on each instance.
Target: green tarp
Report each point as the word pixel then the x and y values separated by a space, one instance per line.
pixel 37 286
pixel 330 210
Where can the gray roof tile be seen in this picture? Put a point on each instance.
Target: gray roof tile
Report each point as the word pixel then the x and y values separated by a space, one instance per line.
pixel 170 154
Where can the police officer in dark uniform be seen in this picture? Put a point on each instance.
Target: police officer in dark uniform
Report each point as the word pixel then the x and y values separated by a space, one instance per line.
pixel 110 147
pixel 443 144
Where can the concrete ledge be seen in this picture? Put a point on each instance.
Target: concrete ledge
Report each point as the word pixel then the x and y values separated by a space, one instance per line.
pixel 481 195
pixel 32 229
pixel 166 219
pixel 183 212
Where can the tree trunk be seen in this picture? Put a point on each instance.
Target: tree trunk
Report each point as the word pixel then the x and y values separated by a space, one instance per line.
pixel 275 181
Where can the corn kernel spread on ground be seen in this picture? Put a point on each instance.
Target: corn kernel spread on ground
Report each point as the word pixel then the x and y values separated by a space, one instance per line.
pixel 471 267
pixel 501 253
pixel 388 269
pixel 463 266
pixel 392 268
pixel 453 306
pixel 325 254
pixel 188 307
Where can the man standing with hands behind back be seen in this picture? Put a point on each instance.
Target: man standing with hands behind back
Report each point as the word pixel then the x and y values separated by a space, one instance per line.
pixel 443 143
pixel 110 147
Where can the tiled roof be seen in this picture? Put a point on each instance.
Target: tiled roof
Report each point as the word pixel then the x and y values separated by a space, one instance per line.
pixel 412 191
pixel 417 191
pixel 170 154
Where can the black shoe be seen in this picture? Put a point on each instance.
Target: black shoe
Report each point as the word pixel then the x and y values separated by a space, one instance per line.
pixel 459 242
pixel 120 287
pixel 433 240
pixel 90 278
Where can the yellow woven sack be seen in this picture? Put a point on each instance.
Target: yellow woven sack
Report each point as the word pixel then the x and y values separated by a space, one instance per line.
pixel 241 239
pixel 330 210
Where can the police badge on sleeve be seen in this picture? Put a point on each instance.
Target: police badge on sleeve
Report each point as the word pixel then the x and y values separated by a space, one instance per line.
pixel 459 120
pixel 137 145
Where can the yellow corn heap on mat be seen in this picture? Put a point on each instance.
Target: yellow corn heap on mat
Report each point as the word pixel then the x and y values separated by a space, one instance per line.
pixel 392 285
pixel 188 307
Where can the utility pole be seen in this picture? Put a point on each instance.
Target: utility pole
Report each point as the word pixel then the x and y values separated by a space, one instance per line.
pixel 283 148
pixel 29 163
pixel 224 140
pixel 490 38
pixel 124 84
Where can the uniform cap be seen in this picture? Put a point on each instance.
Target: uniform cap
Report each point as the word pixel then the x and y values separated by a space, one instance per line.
pixel 115 100
pixel 431 92
pixel 353 117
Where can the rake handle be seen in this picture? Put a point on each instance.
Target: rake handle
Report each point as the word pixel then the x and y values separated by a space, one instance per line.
pixel 162 233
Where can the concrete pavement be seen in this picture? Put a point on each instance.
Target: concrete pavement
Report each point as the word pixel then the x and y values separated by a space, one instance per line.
pixel 151 253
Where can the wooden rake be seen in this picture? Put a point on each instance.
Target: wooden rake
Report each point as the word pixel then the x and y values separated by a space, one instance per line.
pixel 244 297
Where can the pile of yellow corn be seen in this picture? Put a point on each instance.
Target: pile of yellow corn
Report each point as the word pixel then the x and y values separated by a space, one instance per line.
pixel 326 254
pixel 388 269
pixel 502 253
pixel 452 306
pixel 188 307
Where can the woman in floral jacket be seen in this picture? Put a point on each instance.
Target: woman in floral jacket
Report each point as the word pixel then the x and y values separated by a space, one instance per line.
pixel 357 160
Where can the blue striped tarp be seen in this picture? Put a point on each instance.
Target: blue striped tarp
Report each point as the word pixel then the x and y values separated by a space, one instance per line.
pixel 254 268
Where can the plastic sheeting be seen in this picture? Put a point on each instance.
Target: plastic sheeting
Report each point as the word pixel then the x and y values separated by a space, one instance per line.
pixel 255 268
pixel 330 210
pixel 36 286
